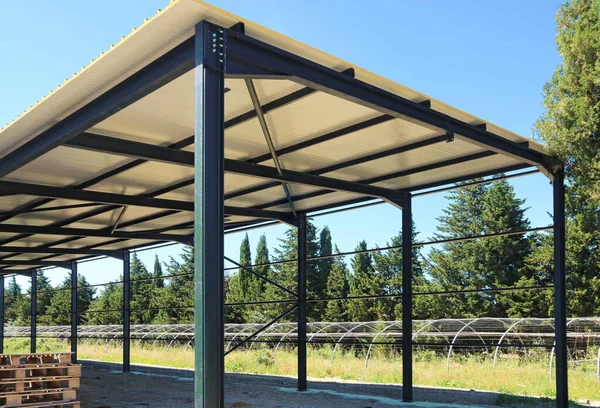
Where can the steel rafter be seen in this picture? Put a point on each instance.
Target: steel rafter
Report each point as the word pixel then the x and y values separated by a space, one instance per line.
pixel 163 70
pixel 83 232
pixel 150 152
pixel 253 52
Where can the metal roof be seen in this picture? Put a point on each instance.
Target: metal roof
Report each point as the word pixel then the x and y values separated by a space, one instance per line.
pixel 146 195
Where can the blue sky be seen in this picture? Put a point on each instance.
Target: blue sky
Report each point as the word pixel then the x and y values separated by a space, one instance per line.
pixel 489 58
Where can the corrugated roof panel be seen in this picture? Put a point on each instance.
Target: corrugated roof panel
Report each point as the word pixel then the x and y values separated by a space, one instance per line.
pixel 161 118
pixel 65 166
pixel 472 167
pixel 313 116
pixel 408 160
pixel 144 178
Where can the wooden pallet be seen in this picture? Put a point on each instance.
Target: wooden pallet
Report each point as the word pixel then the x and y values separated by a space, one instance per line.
pixel 11 399
pixel 37 383
pixel 37 358
pixel 55 404
pixel 40 370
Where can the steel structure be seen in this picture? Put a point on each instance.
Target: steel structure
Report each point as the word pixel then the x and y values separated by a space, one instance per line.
pixel 105 163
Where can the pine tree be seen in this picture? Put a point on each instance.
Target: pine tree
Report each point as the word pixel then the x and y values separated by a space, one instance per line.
pixel 388 264
pixel 570 126
pixel 44 297
pixel 239 287
pixel 106 308
pixel 325 264
pixel 258 313
pixel 59 310
pixel 177 298
pixel 480 263
pixel 141 292
pixel 13 297
pixel 337 287
pixel 286 274
pixel 159 282
pixel 364 281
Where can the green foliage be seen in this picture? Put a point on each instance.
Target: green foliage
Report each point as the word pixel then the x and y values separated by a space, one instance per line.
pixel 337 287
pixel 59 309
pixel 481 263
pixel 570 126
pixel 364 281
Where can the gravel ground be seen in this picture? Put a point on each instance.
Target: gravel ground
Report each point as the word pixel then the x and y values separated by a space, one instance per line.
pixel 151 387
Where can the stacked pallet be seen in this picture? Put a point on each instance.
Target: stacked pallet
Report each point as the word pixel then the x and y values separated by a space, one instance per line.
pixel 39 380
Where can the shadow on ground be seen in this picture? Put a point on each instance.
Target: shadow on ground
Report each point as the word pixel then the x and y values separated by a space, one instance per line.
pixel 104 386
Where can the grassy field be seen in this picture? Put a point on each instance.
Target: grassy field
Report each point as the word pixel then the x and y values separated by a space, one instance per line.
pixel 512 375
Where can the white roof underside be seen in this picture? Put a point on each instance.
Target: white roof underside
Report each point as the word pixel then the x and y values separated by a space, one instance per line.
pixel 167 116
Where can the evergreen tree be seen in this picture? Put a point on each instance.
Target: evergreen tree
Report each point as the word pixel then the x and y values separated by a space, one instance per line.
pixel 258 313
pixel 480 263
pixel 364 281
pixel 337 287
pixel 142 290
pixel 106 308
pixel 59 310
pixel 44 297
pixel 325 265
pixel 286 274
pixel 570 126
pixel 159 282
pixel 13 297
pixel 177 298
pixel 388 265
pixel 239 287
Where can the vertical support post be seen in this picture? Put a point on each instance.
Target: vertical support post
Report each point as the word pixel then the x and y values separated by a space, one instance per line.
pixel 33 335
pixel 560 297
pixel 2 314
pixel 208 216
pixel 407 300
pixel 126 313
pixel 74 312
pixel 302 302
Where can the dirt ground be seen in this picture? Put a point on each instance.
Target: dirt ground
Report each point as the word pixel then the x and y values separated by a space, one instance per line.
pixel 106 387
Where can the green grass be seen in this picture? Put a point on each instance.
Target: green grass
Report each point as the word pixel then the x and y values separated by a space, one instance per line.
pixel 513 375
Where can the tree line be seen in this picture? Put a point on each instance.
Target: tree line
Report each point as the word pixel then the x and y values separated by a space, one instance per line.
pixel 362 287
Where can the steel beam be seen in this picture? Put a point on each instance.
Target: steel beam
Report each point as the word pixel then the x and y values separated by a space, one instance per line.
pixel 126 312
pixel 59 251
pixel 302 255
pixel 83 232
pixel 95 196
pixel 33 333
pixel 161 71
pixel 254 52
pixel 150 152
pixel 407 301
pixel 74 309
pixel 33 262
pixel 208 216
pixel 2 315
pixel 359 160
pixel 270 173
pixel 560 301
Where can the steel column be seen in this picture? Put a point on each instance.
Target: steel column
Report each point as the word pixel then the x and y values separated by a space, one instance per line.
pixel 208 216
pixel 407 301
pixel 560 301
pixel 302 255
pixel 74 314
pixel 33 334
pixel 2 314
pixel 126 313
